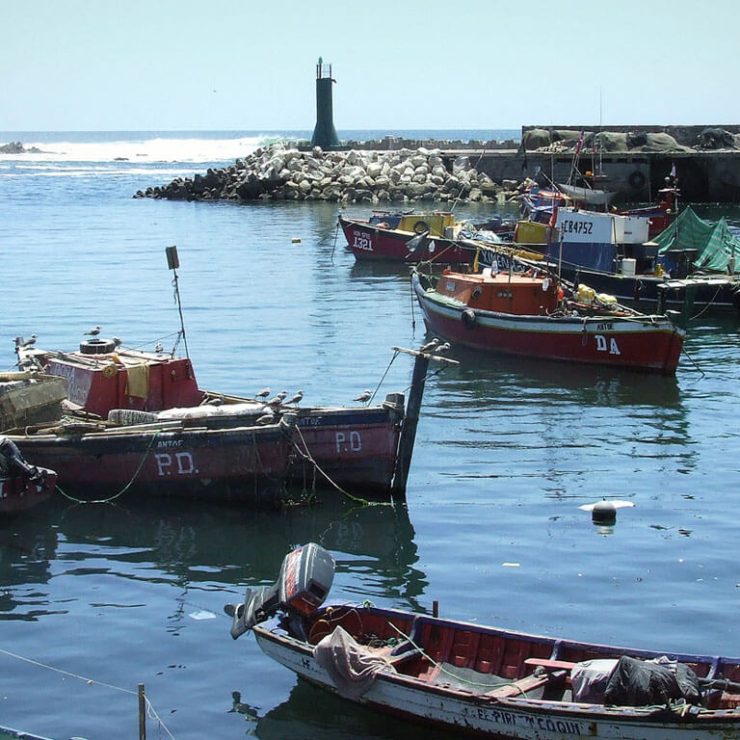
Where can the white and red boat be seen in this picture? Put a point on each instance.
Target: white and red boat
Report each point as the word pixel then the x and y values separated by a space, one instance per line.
pixel 22 486
pixel 529 314
pixel 483 681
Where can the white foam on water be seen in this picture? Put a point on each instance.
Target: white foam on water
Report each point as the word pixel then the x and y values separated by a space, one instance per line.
pixel 146 151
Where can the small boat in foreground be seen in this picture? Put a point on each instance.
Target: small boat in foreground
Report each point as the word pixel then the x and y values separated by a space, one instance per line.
pixel 22 486
pixel 484 681
pixel 530 314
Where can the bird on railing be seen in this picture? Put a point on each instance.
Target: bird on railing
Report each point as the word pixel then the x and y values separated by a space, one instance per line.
pixel 364 397
pixel 443 347
pixel 429 346
pixel 30 341
pixel 264 393
pixel 93 332
pixel 266 419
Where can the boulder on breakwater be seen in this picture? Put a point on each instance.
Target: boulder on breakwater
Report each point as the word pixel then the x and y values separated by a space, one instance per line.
pixel 279 172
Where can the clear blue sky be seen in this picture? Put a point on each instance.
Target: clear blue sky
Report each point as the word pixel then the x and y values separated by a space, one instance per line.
pixel 399 64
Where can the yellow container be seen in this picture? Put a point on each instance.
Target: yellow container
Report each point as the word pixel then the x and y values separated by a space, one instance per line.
pixel 531 232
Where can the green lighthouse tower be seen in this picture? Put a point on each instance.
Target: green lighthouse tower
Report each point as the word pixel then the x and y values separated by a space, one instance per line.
pixel 324 134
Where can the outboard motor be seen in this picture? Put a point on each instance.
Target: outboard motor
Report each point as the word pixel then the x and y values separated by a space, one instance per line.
pixel 305 578
pixel 10 458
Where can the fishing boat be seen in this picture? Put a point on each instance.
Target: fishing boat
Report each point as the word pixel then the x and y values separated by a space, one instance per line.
pixel 414 237
pixel 532 314
pixel 645 256
pixel 22 486
pixel 484 681
pixel 134 415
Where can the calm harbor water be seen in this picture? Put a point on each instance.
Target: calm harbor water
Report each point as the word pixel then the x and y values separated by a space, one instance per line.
pixel 97 599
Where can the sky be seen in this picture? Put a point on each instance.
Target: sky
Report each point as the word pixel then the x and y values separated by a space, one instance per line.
pixel 143 65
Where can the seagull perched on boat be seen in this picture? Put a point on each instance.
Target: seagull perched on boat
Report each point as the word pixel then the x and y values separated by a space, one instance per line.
pixel 116 341
pixel 158 348
pixel 264 393
pixel 295 399
pixel 278 399
pixel 443 347
pixel 364 397
pixel 266 419
pixel 429 346
pixel 30 341
pixel 93 332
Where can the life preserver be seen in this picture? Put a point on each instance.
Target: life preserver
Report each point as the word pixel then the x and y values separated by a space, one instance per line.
pixel 420 227
pixel 468 318
pixel 637 180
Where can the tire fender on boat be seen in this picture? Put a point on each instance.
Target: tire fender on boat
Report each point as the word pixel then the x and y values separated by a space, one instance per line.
pixel 636 180
pixel 469 318
pixel 420 227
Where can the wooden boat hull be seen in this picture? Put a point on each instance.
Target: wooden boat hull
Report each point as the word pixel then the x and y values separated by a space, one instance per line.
pixel 649 344
pixel 370 242
pixel 417 687
pixel 247 464
pixel 18 492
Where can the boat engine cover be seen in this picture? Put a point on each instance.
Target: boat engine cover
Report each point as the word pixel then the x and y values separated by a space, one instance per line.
pixel 305 578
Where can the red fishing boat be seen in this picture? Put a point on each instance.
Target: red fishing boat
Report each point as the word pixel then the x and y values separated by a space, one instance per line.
pixel 414 237
pixel 22 486
pixel 126 406
pixel 480 680
pixel 529 314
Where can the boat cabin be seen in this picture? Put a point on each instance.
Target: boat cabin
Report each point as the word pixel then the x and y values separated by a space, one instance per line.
pixel 520 294
pixel 102 376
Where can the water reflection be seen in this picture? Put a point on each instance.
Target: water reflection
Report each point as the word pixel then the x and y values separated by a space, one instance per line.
pixel 196 543
pixel 27 547
pixel 583 384
pixel 313 714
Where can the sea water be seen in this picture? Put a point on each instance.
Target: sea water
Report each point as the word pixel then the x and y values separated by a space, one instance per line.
pixel 95 600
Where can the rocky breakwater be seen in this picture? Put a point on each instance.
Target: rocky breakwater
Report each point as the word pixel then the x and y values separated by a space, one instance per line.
pixel 279 172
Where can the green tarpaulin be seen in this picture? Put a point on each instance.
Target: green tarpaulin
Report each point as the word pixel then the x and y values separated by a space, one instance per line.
pixel 717 248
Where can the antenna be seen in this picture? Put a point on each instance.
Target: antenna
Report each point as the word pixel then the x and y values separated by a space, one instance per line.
pixel 173 263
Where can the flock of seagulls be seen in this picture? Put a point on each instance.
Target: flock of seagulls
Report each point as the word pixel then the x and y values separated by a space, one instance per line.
pixel 281 399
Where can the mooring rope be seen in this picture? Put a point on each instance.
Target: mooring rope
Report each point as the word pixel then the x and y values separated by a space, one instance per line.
pixel 306 455
pixel 151 712
pixel 123 490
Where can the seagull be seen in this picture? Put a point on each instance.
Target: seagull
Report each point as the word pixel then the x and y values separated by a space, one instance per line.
pixel 93 332
pixel 295 399
pixel 264 393
pixel 158 348
pixel 30 342
pixel 116 341
pixel 277 400
pixel 429 346
pixel 443 347
pixel 364 397
pixel 265 419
